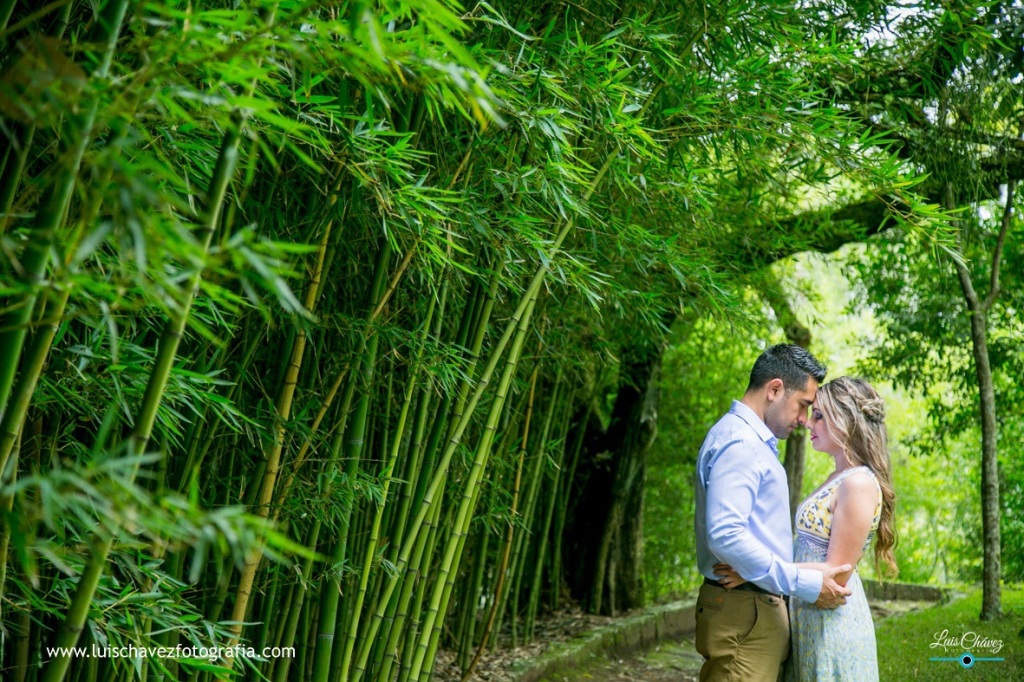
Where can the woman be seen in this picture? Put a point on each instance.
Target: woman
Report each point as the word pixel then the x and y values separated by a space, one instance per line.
pixel 835 526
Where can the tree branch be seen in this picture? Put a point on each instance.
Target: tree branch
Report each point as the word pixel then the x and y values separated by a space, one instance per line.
pixel 824 231
pixel 993 290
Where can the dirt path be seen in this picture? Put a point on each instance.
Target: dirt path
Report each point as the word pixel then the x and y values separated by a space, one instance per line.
pixel 670 661
pixel 667 662
pixel 679 661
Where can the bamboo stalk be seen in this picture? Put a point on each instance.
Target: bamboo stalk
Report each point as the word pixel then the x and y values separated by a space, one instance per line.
pixel 301 456
pixel 423 588
pixel 282 666
pixel 466 605
pixel 139 438
pixel 531 614
pixel 301 604
pixel 400 616
pixel 194 462
pixel 537 477
pixel 17 153
pixel 14 166
pixel 21 645
pixel 303 453
pixel 480 309
pixel 171 338
pixel 13 170
pixel 503 564
pixel 53 205
pixel 433 635
pixel 525 301
pixel 14 417
pixel 356 536
pixel 449 585
pixel 480 569
pixel 476 311
pixel 7 477
pixel 330 590
pixel 411 467
pixel 310 624
pixel 282 407
pixel 564 499
pixel 269 607
pixel 78 611
pixel 534 476
pixel 6 9
pixel 370 551
pixel 450 561
pixel 483 597
pixel 158 378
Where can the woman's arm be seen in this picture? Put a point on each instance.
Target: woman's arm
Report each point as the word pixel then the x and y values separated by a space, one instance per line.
pixel 842 577
pixel 855 503
pixel 854 511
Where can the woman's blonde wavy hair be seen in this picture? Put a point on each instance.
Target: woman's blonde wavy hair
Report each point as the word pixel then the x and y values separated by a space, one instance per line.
pixel 855 417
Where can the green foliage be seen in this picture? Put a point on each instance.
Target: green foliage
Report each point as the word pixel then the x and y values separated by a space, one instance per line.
pixel 703 371
pixel 937 515
pixel 927 350
pixel 928 321
pixel 277 220
pixel 938 511
pixel 936 479
pixel 1012 493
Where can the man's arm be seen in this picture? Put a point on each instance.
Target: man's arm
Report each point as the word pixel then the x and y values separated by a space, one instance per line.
pixel 833 584
pixel 833 587
pixel 732 485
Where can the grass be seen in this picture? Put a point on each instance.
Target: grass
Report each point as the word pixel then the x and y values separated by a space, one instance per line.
pixel 905 642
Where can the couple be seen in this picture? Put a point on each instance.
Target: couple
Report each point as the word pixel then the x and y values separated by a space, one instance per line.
pixel 744 534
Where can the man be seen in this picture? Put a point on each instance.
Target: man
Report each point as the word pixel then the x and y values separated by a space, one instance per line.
pixel 743 519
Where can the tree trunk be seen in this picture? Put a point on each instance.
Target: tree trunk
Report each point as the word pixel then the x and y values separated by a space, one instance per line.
pixel 796 444
pixel 991 601
pixel 604 564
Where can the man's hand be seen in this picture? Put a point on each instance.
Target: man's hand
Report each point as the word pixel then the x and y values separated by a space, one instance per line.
pixel 729 577
pixel 833 586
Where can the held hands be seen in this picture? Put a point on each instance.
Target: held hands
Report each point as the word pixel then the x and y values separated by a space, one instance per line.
pixel 833 586
pixel 730 578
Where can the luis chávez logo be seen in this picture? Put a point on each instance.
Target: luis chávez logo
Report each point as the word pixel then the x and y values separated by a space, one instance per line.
pixel 973 647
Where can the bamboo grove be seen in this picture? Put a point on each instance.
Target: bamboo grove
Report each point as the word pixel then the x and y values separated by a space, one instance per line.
pixel 306 306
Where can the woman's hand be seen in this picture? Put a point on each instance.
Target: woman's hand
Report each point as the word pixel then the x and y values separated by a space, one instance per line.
pixel 729 578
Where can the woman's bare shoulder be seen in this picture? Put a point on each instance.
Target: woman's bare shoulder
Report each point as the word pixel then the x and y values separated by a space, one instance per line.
pixel 859 483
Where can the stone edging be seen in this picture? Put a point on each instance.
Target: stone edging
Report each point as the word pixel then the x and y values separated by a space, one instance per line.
pixel 905 591
pixel 669 621
pixel 626 636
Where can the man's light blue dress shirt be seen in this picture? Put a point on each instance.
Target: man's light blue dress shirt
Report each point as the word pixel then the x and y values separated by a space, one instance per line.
pixel 742 507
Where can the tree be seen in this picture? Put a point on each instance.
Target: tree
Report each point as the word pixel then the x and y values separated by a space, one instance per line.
pixel 933 324
pixel 762 158
pixel 957 112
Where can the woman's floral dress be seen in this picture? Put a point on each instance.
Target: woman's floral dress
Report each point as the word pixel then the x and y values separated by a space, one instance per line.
pixel 836 644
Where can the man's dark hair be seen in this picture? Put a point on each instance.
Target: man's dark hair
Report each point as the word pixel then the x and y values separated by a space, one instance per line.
pixel 790 363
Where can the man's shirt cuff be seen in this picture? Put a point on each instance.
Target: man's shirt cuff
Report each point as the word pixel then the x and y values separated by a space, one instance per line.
pixel 808 584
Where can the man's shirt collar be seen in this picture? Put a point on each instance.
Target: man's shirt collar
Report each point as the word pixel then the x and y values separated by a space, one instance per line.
pixel 760 428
